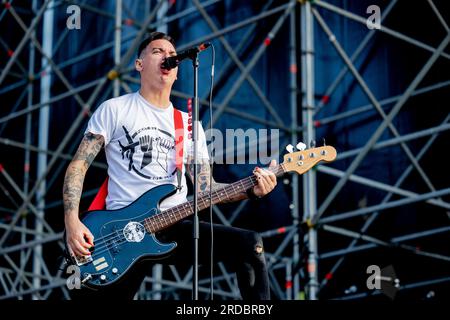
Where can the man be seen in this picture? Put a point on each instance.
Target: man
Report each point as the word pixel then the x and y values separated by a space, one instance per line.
pixel 137 131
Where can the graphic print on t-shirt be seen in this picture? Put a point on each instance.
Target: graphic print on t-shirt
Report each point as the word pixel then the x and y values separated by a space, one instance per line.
pixel 154 144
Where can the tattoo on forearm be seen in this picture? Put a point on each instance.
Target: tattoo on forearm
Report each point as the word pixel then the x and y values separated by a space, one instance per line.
pixel 89 147
pixel 73 185
pixel 204 173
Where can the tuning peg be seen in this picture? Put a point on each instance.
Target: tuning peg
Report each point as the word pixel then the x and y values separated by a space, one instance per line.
pixel 324 144
pixel 290 148
pixel 301 146
pixel 312 144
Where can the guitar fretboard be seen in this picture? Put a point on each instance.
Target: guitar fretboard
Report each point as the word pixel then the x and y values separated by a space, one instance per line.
pixel 170 216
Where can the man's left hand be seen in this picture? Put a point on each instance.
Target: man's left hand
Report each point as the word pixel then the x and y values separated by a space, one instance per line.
pixel 266 180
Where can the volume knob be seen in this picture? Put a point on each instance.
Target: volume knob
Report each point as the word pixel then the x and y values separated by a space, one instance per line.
pixel 103 278
pixel 114 270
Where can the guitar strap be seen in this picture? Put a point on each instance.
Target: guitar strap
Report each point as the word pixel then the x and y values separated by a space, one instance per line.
pixel 179 137
pixel 99 201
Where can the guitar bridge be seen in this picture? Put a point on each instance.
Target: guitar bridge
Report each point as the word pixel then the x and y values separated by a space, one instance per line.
pixel 82 260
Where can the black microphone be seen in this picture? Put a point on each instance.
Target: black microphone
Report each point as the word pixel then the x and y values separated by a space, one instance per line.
pixel 173 62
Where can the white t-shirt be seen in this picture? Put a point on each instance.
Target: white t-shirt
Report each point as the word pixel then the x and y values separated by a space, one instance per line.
pixel 140 148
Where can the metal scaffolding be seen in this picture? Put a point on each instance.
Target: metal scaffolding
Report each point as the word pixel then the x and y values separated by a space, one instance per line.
pixel 297 266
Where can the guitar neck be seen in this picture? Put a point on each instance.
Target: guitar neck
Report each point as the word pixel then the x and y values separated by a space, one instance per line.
pixel 171 216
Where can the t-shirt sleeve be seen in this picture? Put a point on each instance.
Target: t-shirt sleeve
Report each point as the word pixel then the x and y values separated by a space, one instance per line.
pixel 103 122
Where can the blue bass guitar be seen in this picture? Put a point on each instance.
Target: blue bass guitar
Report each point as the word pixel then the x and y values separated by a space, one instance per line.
pixel 126 236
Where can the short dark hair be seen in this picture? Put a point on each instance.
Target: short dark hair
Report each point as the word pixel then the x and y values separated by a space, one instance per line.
pixel 156 35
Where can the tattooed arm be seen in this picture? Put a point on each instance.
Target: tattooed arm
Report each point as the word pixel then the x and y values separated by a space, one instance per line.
pixel 266 180
pixel 204 172
pixel 79 237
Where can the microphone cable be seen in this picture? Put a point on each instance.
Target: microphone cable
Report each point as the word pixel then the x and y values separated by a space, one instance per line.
pixel 213 58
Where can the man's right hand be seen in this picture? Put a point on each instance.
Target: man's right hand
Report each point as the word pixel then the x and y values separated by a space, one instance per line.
pixel 79 238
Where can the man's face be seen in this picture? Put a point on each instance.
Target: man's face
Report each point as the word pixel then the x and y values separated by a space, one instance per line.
pixel 149 64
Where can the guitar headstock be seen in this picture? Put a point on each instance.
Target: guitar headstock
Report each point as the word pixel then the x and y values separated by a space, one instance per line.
pixel 302 161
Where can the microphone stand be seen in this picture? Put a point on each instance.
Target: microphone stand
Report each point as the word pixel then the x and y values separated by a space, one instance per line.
pixel 193 55
pixel 195 116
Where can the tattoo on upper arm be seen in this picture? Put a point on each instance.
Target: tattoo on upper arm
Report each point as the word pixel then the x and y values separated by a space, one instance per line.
pixel 73 182
pixel 89 147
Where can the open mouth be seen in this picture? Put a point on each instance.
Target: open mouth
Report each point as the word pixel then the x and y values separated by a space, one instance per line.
pixel 164 71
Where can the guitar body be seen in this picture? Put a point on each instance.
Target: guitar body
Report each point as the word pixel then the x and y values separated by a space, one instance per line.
pixel 121 240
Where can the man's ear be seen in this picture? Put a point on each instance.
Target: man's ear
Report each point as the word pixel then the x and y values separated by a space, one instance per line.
pixel 138 64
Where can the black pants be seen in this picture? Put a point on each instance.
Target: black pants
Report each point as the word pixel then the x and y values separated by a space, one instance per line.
pixel 240 250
